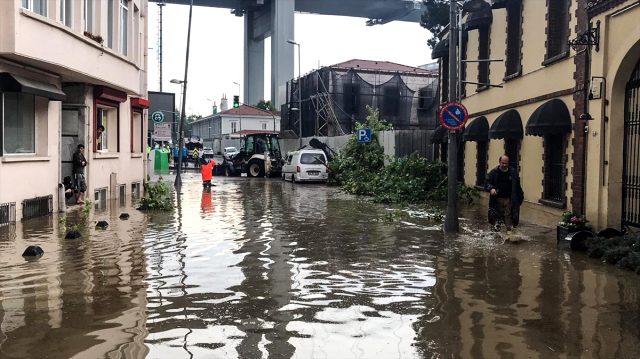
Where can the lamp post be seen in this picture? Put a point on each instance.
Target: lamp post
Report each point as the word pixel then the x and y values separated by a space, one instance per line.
pixel 178 182
pixel 299 92
pixel 236 83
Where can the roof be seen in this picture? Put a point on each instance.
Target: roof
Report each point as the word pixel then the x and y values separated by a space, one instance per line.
pixel 246 110
pixel 251 132
pixel 380 66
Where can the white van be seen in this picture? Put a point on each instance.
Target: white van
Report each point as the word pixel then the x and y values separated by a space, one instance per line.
pixel 305 165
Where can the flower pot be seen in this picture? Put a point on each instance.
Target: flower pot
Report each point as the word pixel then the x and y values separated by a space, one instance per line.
pixel 563 232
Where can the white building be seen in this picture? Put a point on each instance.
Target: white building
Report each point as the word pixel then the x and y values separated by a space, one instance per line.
pixel 216 129
pixel 67 67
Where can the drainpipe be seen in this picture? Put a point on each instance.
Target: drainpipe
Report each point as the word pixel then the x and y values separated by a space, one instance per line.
pixel 61 198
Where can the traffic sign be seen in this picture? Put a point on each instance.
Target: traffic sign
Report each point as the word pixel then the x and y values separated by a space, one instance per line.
pixel 364 135
pixel 162 131
pixel 453 116
pixel 157 117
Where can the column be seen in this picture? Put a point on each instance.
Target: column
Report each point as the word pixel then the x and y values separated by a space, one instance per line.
pixel 281 52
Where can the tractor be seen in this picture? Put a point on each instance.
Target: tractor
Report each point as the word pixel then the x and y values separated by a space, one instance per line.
pixel 259 156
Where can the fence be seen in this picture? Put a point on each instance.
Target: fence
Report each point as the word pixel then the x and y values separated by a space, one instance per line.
pixel 36 207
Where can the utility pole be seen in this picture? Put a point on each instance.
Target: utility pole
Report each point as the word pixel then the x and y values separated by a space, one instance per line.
pixel 178 181
pixel 451 224
pixel 160 6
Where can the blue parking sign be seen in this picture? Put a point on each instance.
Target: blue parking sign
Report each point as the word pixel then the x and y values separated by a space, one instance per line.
pixel 364 135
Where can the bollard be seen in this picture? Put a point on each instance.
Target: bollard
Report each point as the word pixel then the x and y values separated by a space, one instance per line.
pixel 102 225
pixel 124 216
pixel 33 251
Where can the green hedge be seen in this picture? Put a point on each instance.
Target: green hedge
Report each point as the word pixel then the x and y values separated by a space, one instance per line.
pixel 622 251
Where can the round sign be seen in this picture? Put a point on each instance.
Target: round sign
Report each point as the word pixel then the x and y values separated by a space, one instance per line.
pixel 157 116
pixel 453 116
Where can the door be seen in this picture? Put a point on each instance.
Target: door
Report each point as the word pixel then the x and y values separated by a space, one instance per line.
pixel 72 135
pixel 631 152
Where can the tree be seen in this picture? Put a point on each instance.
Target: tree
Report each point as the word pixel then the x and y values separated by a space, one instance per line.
pixel 265 105
pixel 435 18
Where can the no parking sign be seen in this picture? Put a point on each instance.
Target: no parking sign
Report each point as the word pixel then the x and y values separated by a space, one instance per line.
pixel 453 116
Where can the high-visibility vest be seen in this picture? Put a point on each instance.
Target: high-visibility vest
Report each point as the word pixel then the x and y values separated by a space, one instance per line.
pixel 207 170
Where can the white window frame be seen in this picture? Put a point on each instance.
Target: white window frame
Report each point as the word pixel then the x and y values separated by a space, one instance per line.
pixel 88 15
pixel 29 5
pixel 234 126
pixel 264 125
pixel 110 137
pixel 124 27
pixel 66 12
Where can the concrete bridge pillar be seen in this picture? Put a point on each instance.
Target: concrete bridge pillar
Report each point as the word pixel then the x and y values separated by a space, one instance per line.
pixel 281 52
pixel 253 89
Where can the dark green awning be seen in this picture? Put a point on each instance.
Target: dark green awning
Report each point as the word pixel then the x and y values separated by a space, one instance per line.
pixel 477 130
pixel 551 118
pixel 441 49
pixel 13 83
pixel 478 19
pixel 439 135
pixel 507 126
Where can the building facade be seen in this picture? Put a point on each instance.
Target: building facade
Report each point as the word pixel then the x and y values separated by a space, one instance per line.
pixel 68 68
pixel 218 129
pixel 332 99
pixel 567 106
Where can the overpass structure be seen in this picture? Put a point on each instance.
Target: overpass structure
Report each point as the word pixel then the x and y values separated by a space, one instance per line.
pixel 275 19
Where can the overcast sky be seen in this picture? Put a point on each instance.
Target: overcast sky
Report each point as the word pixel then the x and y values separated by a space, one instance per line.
pixel 216 53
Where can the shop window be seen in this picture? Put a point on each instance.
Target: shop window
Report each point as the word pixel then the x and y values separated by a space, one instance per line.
pixel 514 37
pixel 557 28
pixel 37 6
pixel 18 123
pixel 481 162
pixel 483 54
pixel 106 134
pixel 136 132
pixel 554 168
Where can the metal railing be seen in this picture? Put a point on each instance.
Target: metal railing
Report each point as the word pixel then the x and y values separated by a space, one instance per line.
pixel 7 213
pixel 37 207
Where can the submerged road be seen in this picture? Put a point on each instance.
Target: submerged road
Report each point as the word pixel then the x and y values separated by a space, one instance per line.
pixel 268 269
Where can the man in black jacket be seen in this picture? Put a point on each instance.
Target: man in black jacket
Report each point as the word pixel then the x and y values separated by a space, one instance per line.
pixel 79 162
pixel 506 195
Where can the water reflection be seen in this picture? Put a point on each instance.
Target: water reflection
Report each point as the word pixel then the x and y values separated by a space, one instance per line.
pixel 257 269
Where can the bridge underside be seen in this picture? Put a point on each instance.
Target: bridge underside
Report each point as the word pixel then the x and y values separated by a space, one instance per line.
pixel 274 18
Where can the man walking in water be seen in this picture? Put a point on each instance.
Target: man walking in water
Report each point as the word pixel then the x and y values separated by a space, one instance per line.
pixel 79 162
pixel 506 196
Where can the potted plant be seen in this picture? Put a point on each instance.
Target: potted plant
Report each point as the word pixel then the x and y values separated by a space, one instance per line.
pixel 571 222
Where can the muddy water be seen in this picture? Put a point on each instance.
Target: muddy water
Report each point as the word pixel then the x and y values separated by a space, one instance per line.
pixel 258 269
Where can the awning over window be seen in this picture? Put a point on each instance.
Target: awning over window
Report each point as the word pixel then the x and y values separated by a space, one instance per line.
pixel 551 118
pixel 477 130
pixel 478 19
pixel 439 135
pixel 499 4
pixel 13 83
pixel 441 49
pixel 507 126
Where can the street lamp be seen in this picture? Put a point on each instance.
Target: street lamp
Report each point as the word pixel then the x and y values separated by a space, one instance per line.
pixel 178 182
pixel 299 93
pixel 235 83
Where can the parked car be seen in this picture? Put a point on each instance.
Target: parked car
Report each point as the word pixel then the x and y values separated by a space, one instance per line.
pixel 207 152
pixel 229 152
pixel 305 165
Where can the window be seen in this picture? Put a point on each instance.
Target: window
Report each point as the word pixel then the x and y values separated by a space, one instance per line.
pixel 391 101
pixel 65 12
pixel 312 159
pixel 18 123
pixel 106 135
pixel 481 162
pixel 351 93
pixel 234 126
pixel 514 37
pixel 136 132
pixel 264 125
pixel 557 28
pixel 88 16
pixel 124 19
pixel 554 168
pixel 483 54
pixel 37 6
pixel 110 21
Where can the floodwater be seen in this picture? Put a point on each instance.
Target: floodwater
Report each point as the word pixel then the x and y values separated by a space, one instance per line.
pixel 262 268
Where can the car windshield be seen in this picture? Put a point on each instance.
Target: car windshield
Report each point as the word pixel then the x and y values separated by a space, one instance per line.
pixel 231 149
pixel 312 158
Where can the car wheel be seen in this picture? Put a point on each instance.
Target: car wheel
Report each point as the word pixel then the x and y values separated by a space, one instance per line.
pixel 256 169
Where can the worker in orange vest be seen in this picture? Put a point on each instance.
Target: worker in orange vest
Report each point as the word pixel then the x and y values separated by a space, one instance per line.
pixel 206 169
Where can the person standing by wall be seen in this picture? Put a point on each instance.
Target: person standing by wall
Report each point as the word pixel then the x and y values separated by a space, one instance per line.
pixel 79 163
pixel 506 195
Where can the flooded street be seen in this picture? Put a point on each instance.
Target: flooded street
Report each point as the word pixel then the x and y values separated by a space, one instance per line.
pixel 263 268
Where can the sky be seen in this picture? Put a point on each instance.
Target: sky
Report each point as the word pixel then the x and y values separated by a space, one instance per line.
pixel 216 56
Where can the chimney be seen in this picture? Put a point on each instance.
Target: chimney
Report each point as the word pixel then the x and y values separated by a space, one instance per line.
pixel 224 105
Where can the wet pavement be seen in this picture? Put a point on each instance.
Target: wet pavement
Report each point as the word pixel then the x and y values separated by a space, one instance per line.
pixel 262 268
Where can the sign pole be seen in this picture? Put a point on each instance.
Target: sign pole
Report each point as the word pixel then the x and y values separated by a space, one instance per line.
pixel 451 224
